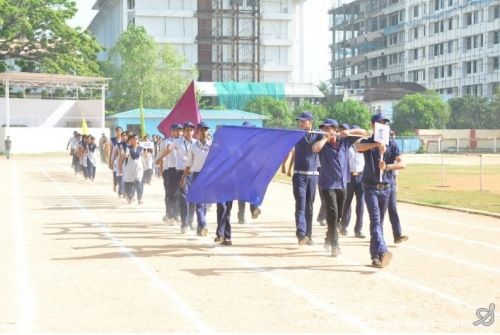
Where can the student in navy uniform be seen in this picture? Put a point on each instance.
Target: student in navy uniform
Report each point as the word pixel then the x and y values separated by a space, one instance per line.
pixel 334 174
pixel 223 233
pixel 196 156
pixel 254 209
pixel 393 201
pixel 377 191
pixel 132 169
pixel 354 187
pixel 82 155
pixel 305 178
pixel 8 146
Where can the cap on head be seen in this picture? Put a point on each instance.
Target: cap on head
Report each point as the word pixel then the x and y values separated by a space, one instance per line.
pixel 355 126
pixel 247 124
pixel 329 123
pixel 203 125
pixel 379 118
pixel 345 126
pixel 305 116
pixel 188 125
pixel 175 126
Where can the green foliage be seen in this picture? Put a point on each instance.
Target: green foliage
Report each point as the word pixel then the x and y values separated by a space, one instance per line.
pixel 36 35
pixel 470 112
pixel 318 111
pixel 351 112
pixel 422 111
pixel 139 66
pixel 277 111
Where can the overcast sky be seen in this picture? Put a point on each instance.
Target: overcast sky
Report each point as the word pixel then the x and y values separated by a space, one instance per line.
pixel 317 37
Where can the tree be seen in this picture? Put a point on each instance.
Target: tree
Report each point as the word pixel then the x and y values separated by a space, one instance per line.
pixel 421 111
pixel 35 34
pixel 318 111
pixel 351 112
pixel 277 111
pixel 143 70
pixel 471 112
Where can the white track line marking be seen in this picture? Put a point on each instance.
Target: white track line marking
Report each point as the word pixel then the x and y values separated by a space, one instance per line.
pixel 456 238
pixel 174 298
pixel 26 300
pixel 450 258
pixel 451 222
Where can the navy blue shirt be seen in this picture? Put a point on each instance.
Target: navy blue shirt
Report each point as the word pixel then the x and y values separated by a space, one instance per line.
pixel 334 160
pixel 305 158
pixel 371 172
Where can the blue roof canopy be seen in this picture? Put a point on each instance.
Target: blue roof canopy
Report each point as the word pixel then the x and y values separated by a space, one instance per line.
pixel 207 114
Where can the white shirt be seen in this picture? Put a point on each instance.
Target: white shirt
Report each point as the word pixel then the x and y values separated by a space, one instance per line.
pixel 197 155
pixel 182 147
pixel 356 161
pixel 73 143
pixel 133 169
pixel 170 160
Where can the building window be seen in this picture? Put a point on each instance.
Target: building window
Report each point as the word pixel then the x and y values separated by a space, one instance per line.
pixel 450 70
pixel 496 37
pixel 473 42
pixel 131 4
pixel 251 3
pixel 438 4
pixel 438 49
pixel 415 33
pixel 450 3
pixel 475 90
pixel 438 27
pixel 449 90
pixel 496 63
pixel 471 18
pixel 471 67
pixel 415 11
pixel 450 24
pixel 496 12
pixel 450 47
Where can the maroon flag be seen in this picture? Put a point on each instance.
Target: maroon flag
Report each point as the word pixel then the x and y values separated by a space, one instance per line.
pixel 185 110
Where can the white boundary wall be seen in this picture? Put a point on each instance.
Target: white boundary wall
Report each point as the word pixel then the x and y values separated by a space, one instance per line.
pixel 43 140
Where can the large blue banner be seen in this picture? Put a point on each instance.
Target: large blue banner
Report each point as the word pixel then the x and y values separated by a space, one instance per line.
pixel 241 164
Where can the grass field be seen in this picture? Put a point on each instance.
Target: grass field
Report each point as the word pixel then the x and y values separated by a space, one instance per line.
pixel 423 183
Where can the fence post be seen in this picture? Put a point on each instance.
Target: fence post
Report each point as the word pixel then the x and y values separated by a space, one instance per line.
pixel 458 143
pixel 439 145
pixel 442 169
pixel 480 172
pixel 494 145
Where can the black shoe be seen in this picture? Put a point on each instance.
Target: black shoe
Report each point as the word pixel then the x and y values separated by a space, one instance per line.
pixel 203 232
pixel 219 240
pixel 336 252
pixel 377 263
pixel 256 212
pixel 227 241
pixel 343 231
pixel 400 238
pixel 303 240
pixel 359 234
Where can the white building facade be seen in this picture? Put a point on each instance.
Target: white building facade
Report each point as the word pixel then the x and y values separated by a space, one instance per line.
pixel 451 46
pixel 275 52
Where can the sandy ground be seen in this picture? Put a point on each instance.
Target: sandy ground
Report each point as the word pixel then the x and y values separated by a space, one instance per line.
pixel 75 258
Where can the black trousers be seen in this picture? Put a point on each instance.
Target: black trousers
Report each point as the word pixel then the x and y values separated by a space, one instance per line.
pixel 334 204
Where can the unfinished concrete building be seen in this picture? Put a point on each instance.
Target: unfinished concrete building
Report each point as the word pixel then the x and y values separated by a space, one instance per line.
pixel 451 46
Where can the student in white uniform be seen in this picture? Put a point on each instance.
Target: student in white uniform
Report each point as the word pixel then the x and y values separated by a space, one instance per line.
pixel 196 156
pixel 91 158
pixel 133 169
pixel 147 157
pixel 181 146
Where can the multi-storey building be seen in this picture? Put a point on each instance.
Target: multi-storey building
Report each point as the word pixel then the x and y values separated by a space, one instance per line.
pixel 240 40
pixel 451 46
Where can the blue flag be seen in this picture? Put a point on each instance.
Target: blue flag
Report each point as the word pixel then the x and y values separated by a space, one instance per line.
pixel 241 164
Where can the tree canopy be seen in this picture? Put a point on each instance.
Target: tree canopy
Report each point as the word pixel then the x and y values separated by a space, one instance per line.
pixel 351 112
pixel 277 111
pixel 424 111
pixel 474 112
pixel 140 68
pixel 35 34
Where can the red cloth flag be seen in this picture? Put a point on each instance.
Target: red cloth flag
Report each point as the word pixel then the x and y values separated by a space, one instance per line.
pixel 186 109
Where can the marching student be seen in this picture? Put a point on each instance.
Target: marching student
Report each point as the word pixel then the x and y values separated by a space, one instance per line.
pixel 82 155
pixel 72 145
pixel 113 153
pixel 377 189
pixel 354 187
pixel 223 233
pixel 392 209
pixel 132 168
pixel 182 146
pixel 91 158
pixel 196 156
pixel 147 157
pixel 168 164
pixel 8 146
pixel 305 178
pixel 334 174
pixel 103 146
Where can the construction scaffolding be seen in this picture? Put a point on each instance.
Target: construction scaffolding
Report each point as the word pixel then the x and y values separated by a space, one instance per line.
pixel 229 40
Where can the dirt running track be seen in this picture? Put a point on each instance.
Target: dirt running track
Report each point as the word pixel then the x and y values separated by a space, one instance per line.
pixel 75 258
